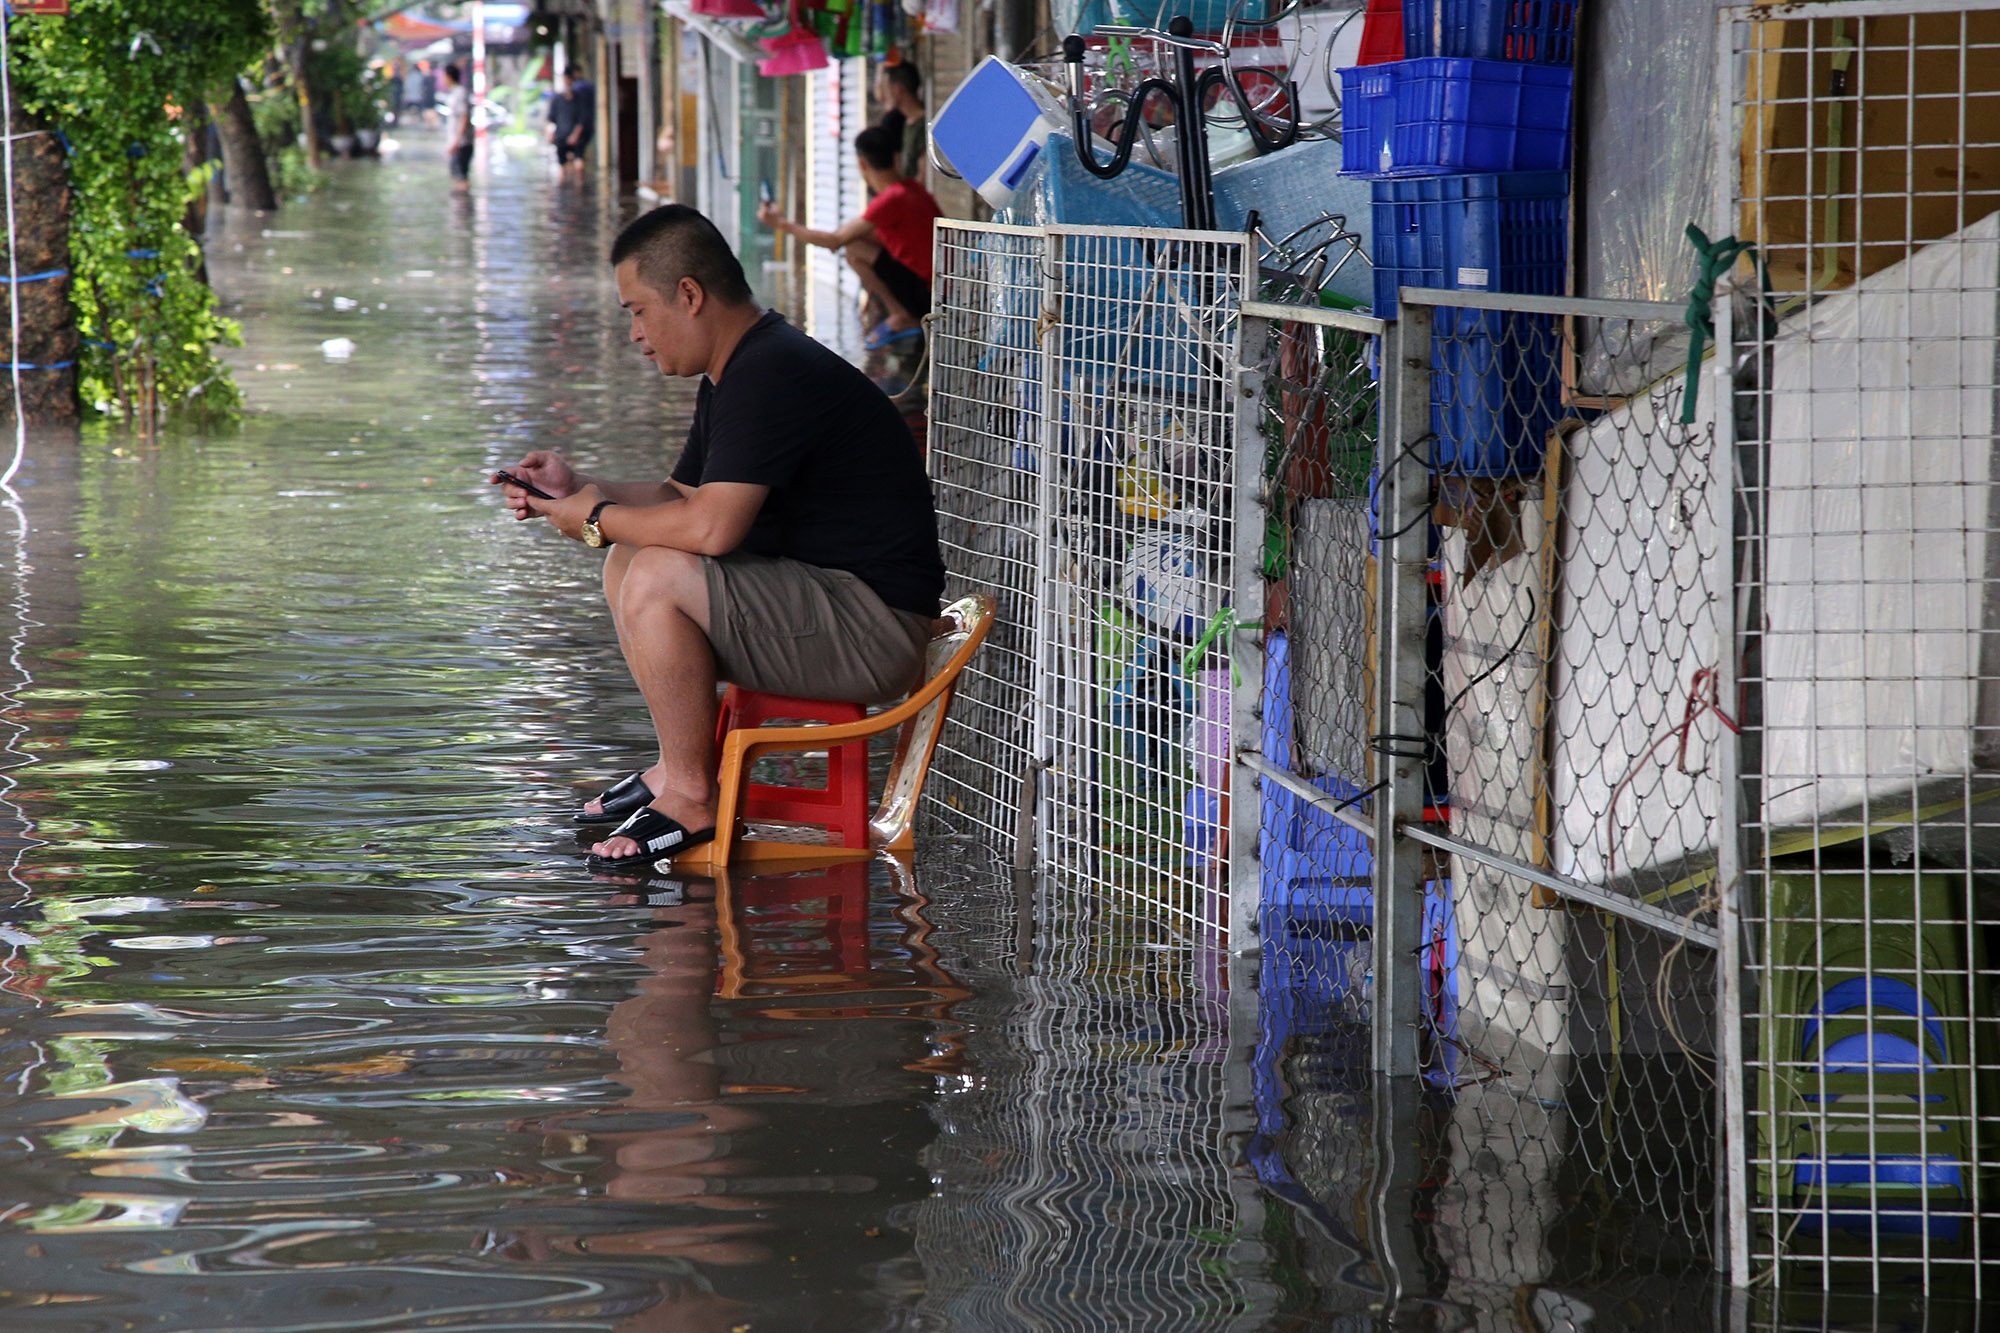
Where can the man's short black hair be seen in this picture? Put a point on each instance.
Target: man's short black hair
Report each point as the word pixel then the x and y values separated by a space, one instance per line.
pixel 878 148
pixel 574 72
pixel 673 242
pixel 451 72
pixel 904 74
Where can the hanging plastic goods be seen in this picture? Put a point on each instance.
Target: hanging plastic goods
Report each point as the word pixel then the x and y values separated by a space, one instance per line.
pixel 1167 581
pixel 797 51
pixel 994 127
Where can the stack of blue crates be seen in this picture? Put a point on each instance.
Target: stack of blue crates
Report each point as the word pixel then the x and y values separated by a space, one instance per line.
pixel 1468 144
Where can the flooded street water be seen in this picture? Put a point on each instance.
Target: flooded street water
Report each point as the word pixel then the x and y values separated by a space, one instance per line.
pixel 314 1021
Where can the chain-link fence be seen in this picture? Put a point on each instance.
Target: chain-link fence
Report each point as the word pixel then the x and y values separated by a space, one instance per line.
pixel 1862 350
pixel 1308 587
pixel 1546 747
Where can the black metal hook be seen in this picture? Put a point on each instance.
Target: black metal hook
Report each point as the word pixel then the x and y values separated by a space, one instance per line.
pixel 1188 95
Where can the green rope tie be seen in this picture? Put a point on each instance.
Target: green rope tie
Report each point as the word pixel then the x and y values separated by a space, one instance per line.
pixel 1221 623
pixel 1717 259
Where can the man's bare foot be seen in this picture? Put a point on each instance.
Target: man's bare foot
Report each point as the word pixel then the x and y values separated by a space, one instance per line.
pixel 694 816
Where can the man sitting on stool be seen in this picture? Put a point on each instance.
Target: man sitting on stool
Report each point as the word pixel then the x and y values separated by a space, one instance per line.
pixel 793 550
pixel 889 245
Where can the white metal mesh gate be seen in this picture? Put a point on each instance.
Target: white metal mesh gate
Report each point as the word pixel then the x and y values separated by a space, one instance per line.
pixel 1083 432
pixel 1863 349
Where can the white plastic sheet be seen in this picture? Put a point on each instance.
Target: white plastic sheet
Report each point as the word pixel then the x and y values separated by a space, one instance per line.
pixel 1881 469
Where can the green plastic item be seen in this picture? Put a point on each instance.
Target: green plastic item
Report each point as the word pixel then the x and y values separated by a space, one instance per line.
pixel 1837 1050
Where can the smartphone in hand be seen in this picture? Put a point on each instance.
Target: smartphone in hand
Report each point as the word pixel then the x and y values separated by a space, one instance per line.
pixel 528 486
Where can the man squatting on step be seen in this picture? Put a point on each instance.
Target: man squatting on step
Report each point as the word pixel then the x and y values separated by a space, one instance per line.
pixel 793 550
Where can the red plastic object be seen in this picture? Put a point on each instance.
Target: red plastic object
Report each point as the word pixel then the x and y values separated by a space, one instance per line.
pixel 1381 33
pixel 842 805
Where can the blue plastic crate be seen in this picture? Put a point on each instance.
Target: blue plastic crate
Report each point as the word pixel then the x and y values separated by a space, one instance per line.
pixel 1494 233
pixel 1496 389
pixel 1449 115
pixel 1541 32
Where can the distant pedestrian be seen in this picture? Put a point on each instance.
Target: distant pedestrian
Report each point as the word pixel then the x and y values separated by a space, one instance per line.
pixel 458 121
pixel 563 124
pixel 582 111
pixel 889 245
pixel 901 89
pixel 428 90
pixel 415 101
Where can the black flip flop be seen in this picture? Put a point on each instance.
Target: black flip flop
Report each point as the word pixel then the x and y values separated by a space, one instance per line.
pixel 658 837
pixel 620 799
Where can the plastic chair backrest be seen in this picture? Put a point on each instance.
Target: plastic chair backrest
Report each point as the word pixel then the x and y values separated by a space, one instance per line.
pixel 1866 992
pixel 967 621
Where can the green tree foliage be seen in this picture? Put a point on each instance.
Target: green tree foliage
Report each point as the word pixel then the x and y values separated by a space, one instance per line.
pixel 113 77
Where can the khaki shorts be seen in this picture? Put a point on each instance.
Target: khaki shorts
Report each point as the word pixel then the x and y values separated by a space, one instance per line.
pixel 784 627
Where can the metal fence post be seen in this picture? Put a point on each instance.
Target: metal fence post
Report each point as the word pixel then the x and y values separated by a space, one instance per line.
pixel 1247 644
pixel 1732 1114
pixel 1402 604
pixel 1035 806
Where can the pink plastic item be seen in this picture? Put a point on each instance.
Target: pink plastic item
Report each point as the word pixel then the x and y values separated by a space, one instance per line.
pixel 797 51
pixel 728 9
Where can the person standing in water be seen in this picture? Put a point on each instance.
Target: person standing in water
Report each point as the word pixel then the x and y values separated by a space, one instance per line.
pixel 458 123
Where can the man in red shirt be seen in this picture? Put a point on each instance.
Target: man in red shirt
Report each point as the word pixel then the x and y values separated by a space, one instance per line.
pixel 889 245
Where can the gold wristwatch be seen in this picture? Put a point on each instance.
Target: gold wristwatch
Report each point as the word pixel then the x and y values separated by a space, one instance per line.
pixel 592 534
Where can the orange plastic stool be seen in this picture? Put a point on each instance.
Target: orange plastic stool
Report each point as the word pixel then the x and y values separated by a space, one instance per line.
pixel 842 805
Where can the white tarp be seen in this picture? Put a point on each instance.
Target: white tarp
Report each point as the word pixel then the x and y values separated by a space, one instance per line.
pixel 1879 559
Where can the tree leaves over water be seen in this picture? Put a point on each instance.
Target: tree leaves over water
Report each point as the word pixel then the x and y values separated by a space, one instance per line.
pixel 113 77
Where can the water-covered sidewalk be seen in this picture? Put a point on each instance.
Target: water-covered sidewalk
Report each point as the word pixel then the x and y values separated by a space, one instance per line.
pixel 312 1019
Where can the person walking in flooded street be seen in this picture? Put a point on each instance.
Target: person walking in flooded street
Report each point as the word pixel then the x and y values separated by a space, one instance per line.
pixel 458 121
pixel 583 122
pixel 793 550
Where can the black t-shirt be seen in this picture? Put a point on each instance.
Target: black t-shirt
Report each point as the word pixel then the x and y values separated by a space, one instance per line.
pixel 848 489
pixel 563 114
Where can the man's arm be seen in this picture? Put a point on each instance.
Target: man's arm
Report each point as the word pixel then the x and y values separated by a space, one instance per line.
pixel 554 474
pixel 853 230
pixel 710 520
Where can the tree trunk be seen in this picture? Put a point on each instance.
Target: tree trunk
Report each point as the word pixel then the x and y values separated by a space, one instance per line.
pixel 308 115
pixel 243 164
pixel 48 322
pixel 295 34
pixel 194 127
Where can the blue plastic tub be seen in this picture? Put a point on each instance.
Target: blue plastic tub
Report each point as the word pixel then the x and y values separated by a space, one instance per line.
pixel 1541 32
pixel 1449 115
pixel 1496 389
pixel 1493 233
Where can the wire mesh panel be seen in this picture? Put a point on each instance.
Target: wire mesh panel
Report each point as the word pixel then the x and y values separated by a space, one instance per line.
pixel 1576 577
pixel 985 459
pixel 1142 347
pixel 1314 547
pixel 1864 345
